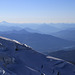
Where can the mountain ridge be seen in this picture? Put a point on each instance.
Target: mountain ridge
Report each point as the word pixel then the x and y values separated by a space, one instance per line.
pixel 25 61
pixel 40 42
pixel 68 34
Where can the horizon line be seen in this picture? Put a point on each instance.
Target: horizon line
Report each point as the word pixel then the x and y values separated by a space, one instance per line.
pixel 38 22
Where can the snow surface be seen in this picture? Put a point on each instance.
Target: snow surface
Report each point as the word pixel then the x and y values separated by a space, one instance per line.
pixel 20 59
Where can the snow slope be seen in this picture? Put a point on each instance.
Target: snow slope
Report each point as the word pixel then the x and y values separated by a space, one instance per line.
pixel 20 59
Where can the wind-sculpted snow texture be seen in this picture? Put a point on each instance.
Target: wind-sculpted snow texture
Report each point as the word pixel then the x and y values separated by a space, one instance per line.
pixel 20 59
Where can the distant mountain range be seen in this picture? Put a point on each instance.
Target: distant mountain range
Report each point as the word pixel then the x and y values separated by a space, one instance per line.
pixel 42 28
pixel 42 37
pixel 5 26
pixel 39 42
pixel 47 29
pixel 63 26
pixel 30 27
pixel 68 34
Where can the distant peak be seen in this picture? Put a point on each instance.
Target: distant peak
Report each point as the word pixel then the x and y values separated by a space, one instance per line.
pixel 3 22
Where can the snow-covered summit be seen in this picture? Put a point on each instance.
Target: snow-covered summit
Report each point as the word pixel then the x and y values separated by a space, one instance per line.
pixel 3 22
pixel 12 45
pixel 20 59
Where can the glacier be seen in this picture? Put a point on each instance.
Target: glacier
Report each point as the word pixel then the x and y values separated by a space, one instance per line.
pixel 21 59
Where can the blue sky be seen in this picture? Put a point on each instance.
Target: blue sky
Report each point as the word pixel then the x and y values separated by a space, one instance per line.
pixel 37 11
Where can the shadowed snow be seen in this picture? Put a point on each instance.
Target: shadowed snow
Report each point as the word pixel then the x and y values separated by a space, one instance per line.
pixel 20 59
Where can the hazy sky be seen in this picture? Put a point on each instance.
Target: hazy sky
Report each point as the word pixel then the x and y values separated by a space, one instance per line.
pixel 37 11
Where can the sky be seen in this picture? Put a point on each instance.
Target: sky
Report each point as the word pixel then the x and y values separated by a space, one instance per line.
pixel 37 11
